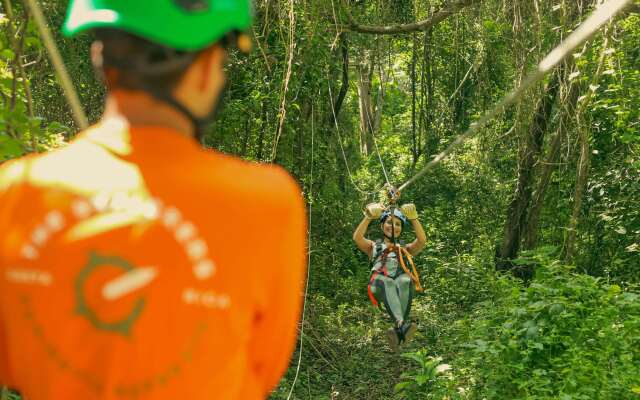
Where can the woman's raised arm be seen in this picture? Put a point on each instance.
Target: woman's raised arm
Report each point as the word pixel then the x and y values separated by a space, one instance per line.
pixel 415 247
pixel 371 211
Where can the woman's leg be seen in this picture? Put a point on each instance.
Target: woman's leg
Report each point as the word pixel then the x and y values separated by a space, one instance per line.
pixel 385 291
pixel 406 290
pixel 405 294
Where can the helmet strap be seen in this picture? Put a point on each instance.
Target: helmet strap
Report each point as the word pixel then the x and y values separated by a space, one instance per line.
pixel 199 123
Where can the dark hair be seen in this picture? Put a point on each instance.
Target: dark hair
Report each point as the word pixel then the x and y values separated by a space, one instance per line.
pixel 132 62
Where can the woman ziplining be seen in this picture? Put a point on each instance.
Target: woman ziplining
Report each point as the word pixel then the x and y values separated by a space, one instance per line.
pixel 391 288
pixel 391 282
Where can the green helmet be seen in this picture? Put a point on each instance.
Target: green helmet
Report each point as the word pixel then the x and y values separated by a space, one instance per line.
pixel 187 25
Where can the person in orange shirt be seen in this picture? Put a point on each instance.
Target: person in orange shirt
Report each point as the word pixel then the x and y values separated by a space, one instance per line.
pixel 134 263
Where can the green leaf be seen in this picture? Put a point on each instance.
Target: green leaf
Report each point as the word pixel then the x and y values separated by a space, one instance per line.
pixel 421 380
pixel 10 148
pixel 7 54
pixel 399 387
pixel 556 309
pixel 614 289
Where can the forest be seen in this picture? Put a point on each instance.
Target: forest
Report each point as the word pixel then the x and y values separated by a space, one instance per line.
pixel 532 263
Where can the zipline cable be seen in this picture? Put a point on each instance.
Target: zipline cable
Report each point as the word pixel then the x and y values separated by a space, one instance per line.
pixel 384 171
pixel 344 156
pixel 54 55
pixel 584 32
pixel 306 289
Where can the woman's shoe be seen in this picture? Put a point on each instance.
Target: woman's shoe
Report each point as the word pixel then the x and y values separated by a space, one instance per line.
pixel 393 339
pixel 408 330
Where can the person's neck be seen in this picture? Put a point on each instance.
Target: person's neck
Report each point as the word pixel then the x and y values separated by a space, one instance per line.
pixel 141 109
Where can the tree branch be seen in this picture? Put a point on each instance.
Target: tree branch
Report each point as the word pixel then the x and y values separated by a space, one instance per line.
pixel 436 18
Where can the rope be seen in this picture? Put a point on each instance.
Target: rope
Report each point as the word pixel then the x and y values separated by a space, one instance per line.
pixel 583 33
pixel 306 289
pixel 58 64
pixel 384 171
pixel 413 273
pixel 287 77
pixel 344 156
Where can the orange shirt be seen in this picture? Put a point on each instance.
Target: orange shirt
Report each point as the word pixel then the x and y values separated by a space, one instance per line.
pixel 134 264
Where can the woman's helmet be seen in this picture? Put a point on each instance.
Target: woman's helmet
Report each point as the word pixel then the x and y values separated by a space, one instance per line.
pixel 185 25
pixel 396 213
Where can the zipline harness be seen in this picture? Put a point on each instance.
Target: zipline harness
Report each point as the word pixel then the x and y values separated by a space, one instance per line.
pixel 400 252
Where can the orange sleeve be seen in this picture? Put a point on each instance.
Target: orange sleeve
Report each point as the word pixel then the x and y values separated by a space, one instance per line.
pixel 4 362
pixel 275 331
pixel 12 175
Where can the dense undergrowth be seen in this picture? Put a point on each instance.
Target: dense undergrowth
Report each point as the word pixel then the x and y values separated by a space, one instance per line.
pixel 482 335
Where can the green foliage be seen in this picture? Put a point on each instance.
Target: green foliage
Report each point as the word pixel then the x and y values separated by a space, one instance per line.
pixel 566 335
pixel 430 381
pixel 6 394
pixel 9 147
pixel 21 130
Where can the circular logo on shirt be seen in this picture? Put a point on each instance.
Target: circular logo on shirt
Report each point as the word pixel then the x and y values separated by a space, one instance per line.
pixel 131 279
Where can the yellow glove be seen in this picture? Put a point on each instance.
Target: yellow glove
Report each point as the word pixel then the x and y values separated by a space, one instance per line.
pixel 409 211
pixel 373 210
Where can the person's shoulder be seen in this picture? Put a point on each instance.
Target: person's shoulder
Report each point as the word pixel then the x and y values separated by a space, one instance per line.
pixel 21 170
pixel 12 172
pixel 263 183
pixel 276 181
pixel 79 160
pixel 273 185
pixel 81 166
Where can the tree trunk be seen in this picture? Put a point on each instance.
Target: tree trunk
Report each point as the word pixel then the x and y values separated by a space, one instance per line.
pixel 581 183
pixel 365 72
pixel 584 135
pixel 377 120
pixel 570 101
pixel 245 139
pixel 519 206
pixel 369 117
pixel 414 140
pixel 263 129
pixel 344 86
pixel 427 86
pixel 301 128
